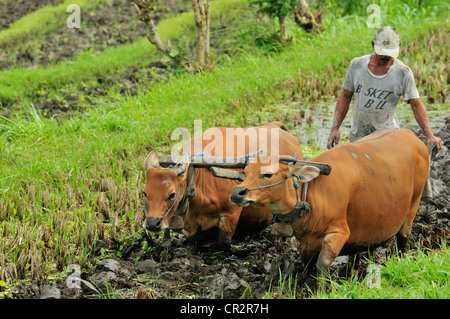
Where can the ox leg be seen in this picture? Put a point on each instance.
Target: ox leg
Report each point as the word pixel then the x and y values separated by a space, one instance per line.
pixel 331 246
pixel 405 231
pixel 227 227
pixel 403 235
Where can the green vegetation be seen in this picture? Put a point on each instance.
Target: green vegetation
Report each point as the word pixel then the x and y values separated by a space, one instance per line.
pixel 67 181
pixel 422 274
pixel 419 274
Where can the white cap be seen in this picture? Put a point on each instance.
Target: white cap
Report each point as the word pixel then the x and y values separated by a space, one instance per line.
pixel 387 42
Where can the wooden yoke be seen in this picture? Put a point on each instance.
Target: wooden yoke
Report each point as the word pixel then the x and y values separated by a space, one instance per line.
pixel 220 166
pixel 205 161
pixel 237 162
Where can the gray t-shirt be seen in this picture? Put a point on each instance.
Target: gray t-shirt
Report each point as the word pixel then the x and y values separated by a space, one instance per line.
pixel 376 97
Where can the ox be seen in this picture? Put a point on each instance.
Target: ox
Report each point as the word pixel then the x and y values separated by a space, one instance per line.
pixel 209 215
pixel 372 193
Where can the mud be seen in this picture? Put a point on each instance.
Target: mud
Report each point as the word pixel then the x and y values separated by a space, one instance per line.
pixel 127 83
pixel 173 268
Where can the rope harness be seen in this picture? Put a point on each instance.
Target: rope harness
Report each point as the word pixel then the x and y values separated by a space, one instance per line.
pixel 301 206
pixel 300 210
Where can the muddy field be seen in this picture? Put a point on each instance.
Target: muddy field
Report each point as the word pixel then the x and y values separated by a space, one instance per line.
pixel 172 268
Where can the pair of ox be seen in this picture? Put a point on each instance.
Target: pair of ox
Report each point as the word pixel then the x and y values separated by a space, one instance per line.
pixel 371 195
pixel 193 199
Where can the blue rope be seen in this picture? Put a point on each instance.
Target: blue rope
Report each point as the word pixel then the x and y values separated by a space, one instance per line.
pixel 250 189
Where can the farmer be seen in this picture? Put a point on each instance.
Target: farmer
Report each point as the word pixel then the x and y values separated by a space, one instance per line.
pixel 377 81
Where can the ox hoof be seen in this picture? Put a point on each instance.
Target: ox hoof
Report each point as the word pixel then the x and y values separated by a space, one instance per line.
pixel 282 230
pixel 176 222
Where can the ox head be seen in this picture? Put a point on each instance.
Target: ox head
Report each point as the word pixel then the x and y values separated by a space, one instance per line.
pixel 271 185
pixel 162 192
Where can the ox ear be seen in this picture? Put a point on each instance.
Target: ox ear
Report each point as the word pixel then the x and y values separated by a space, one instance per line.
pixel 305 173
pixel 152 160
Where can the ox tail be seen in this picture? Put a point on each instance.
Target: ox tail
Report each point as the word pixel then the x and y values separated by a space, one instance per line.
pixel 280 125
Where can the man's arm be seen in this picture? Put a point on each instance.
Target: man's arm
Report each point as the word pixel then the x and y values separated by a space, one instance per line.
pixel 421 116
pixel 342 106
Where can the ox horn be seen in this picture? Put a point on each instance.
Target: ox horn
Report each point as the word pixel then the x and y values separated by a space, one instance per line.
pixel 287 158
pixel 180 170
pixel 227 173
pixel 152 160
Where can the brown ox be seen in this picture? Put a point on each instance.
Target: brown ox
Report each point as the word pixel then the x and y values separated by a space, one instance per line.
pixel 210 214
pixel 372 194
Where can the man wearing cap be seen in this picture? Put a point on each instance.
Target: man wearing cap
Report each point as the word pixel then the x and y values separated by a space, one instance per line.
pixel 377 81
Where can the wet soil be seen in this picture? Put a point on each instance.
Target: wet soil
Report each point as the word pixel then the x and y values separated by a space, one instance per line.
pixel 173 268
pixel 128 82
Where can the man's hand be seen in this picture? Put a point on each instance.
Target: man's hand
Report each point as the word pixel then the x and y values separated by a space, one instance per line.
pixel 342 106
pixel 333 139
pixel 421 116
pixel 437 141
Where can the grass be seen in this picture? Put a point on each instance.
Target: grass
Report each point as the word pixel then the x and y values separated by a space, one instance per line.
pixel 66 182
pixel 286 289
pixel 418 274
pixel 422 274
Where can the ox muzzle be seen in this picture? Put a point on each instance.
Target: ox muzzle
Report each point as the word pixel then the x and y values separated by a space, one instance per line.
pixel 237 196
pixel 153 224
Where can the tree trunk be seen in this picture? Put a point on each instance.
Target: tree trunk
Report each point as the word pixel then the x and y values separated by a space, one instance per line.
pixel 283 31
pixel 305 19
pixel 201 17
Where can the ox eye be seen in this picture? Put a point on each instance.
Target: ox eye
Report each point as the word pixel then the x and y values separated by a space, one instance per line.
pixel 267 175
pixel 145 195
pixel 171 196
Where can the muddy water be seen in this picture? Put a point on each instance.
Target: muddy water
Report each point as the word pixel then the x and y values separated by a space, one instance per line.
pixel 312 123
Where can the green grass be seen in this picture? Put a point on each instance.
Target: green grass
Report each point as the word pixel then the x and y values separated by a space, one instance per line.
pixel 422 274
pixel 66 182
